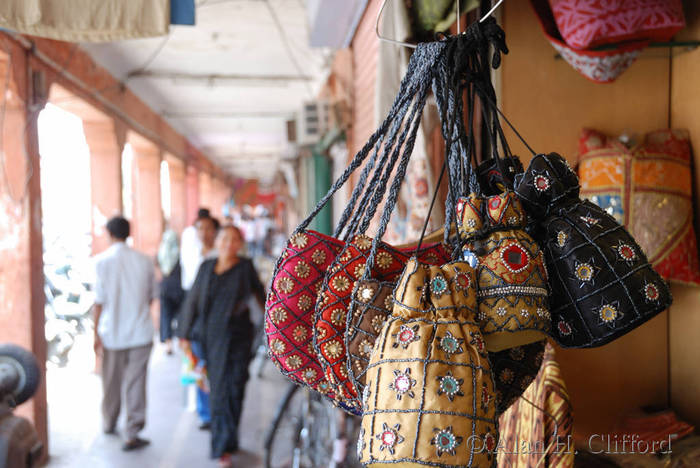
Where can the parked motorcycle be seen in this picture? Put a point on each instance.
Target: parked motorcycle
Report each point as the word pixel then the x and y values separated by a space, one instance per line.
pixel 67 312
pixel 20 446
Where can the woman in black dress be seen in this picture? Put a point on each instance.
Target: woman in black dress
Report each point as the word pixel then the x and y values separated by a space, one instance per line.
pixel 216 311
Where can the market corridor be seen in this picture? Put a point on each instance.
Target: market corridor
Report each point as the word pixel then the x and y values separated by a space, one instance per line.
pixel 176 442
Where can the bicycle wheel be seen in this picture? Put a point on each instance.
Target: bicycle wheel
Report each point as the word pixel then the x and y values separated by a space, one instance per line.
pixel 318 433
pixel 283 435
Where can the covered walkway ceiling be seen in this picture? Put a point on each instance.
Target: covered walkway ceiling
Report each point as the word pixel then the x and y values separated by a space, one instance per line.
pixel 231 82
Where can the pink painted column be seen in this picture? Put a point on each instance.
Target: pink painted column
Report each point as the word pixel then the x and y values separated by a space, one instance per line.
pixel 105 177
pixel 178 195
pixel 21 264
pixel 192 193
pixel 147 222
pixel 205 198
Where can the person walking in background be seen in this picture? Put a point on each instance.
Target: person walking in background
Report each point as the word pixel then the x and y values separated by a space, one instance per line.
pixel 191 250
pixel 124 289
pixel 171 293
pixel 216 310
pixel 192 254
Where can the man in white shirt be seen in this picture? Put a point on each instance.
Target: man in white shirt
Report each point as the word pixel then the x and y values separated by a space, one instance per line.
pixel 124 289
pixel 197 245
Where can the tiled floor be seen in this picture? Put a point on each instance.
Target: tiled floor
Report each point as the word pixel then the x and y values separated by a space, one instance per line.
pixel 76 439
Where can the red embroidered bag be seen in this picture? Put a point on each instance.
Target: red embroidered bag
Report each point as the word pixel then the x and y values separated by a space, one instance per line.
pixel 584 24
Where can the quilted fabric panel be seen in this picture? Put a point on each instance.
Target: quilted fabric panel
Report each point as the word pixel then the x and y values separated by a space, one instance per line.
pixel 648 188
pixel 602 285
pixel 334 301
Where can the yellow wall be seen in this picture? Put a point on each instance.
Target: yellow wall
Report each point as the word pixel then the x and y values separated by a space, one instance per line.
pixel 549 103
pixel 684 324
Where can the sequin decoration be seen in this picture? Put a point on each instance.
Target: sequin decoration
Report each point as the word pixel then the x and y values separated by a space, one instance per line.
pixel 402 383
pixel 564 328
pixel 438 285
pixel 384 260
pixel 389 437
pixel 389 302
pixel 318 257
pixel 542 183
pixel 363 242
pixel 293 362
pixel 608 313
pixel 338 317
pixel 341 283
pixel 515 258
pixel 501 311
pixel 445 441
pixel 366 348
pixel 562 237
pixel 478 342
pixel 462 281
pixel 485 396
pixel 300 333
pixel 299 240
pixel 302 269
pixel 489 442
pixel 333 349
pixel 278 346
pixel 323 387
pixel 405 336
pixel 377 323
pixel 589 220
pixel 506 375
pixel 285 284
pixel 450 344
pixel 365 294
pixel 584 272
pixel 305 302
pixel 651 292
pixel 309 375
pixel 517 353
pixel 346 256
pixel 360 270
pixel 471 223
pixel 626 252
pixel 278 315
pixel 450 386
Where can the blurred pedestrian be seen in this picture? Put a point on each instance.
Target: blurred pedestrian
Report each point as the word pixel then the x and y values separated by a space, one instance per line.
pixel 171 293
pixel 124 289
pixel 191 250
pixel 216 309
pixel 192 255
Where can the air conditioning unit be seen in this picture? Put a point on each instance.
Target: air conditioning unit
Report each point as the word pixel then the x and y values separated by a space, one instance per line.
pixel 313 122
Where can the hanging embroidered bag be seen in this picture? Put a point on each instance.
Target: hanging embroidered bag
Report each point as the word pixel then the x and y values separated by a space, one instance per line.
pixel 511 276
pixel 602 285
pixel 429 398
pixel 371 306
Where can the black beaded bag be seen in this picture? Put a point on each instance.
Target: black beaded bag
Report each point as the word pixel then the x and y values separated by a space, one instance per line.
pixel 602 285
